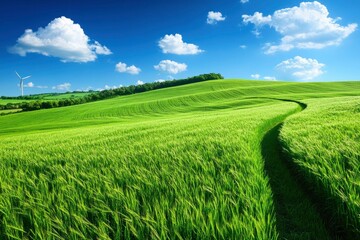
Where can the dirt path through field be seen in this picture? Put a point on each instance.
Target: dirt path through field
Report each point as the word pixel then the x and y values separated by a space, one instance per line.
pixel 296 215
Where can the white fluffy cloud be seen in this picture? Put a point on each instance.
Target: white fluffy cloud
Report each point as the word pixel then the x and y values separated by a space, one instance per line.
pixel 62 87
pixel 255 76
pixel 257 19
pixel 61 38
pixel 106 87
pixel 87 89
pixel 244 1
pixel 175 44
pixel 299 68
pixel 258 76
pixel 171 67
pixel 214 17
pixel 123 68
pixel 270 78
pixel 29 85
pixel 32 85
pixel 160 80
pixel 139 82
pixel 307 26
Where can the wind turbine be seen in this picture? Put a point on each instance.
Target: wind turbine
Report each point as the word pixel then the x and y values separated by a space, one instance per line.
pixel 22 82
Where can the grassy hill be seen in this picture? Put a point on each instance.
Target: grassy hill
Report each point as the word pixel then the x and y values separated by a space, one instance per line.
pixel 185 162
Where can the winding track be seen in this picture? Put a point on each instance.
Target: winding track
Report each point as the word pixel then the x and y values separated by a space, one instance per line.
pixel 296 212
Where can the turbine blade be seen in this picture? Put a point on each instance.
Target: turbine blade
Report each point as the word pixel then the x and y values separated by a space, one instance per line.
pixel 17 74
pixel 26 77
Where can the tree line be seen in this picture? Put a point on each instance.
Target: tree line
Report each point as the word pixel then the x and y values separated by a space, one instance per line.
pixel 105 94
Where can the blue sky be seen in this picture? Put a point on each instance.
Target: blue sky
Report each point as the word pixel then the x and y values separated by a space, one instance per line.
pixel 80 45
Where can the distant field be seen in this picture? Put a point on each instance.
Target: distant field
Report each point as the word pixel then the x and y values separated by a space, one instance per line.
pixel 42 97
pixel 65 95
pixel 185 162
pixel 9 111
pixel 6 101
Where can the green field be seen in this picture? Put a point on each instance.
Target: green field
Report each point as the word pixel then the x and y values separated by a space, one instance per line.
pixel 6 101
pixel 198 161
pixel 46 97
pixel 9 111
pixel 65 95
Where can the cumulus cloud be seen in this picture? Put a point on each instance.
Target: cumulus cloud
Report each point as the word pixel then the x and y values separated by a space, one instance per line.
pixel 61 38
pixel 87 89
pixel 299 68
pixel 270 78
pixel 108 87
pixel 160 80
pixel 29 84
pixel 171 67
pixel 255 76
pixel 62 87
pixel 123 68
pixel 257 19
pixel 32 85
pixel 307 26
pixel 139 82
pixel 258 76
pixel 214 17
pixel 175 44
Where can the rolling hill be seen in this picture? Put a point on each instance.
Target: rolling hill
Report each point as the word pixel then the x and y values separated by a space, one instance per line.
pixel 197 161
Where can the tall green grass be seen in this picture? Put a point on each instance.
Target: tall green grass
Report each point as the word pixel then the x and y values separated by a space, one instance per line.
pixel 324 142
pixel 166 179
pixel 176 163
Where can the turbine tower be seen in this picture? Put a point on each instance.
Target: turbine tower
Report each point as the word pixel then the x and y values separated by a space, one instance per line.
pixel 22 82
